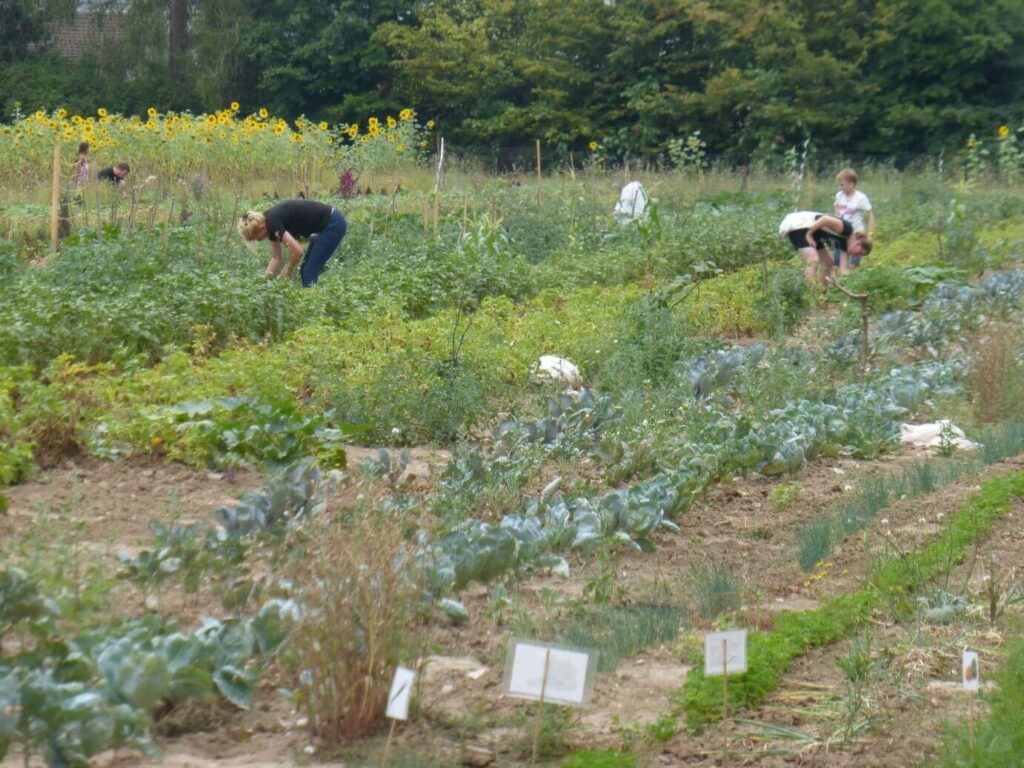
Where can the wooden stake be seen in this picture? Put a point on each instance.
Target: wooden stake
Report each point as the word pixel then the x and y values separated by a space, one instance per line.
pixel 540 707
pixel 437 211
pixel 725 702
pixel 863 299
pixel 538 173
pixel 970 725
pixel 387 746
pixel 55 199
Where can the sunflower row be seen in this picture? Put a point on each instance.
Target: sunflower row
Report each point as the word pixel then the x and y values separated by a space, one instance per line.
pixel 223 141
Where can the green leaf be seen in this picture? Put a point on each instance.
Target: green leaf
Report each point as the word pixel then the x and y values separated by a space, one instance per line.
pixel 234 685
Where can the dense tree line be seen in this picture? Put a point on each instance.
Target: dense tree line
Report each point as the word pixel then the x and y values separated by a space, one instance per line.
pixel 879 77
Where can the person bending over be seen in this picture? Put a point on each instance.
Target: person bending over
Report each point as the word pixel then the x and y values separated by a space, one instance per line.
pixel 288 222
pixel 814 234
pixel 116 175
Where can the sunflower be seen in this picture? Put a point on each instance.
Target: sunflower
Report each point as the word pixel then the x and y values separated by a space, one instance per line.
pixel 151 111
pixel 430 124
pixel 235 106
pixel 392 122
pixel 263 112
pixel 353 130
pixel 405 114
pixel 1004 131
pixel 297 138
pixel 102 112
pixel 593 146
pixel 373 122
pixel 324 126
pixel 62 113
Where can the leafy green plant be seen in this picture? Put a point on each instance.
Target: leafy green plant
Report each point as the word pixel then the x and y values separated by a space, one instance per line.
pixel 785 495
pixel 79 695
pixel 597 758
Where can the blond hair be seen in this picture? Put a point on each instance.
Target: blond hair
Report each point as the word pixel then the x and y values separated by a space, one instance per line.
pixel 847 174
pixel 866 243
pixel 250 225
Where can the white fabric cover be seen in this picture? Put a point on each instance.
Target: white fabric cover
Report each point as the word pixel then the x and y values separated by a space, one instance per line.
pixel 930 435
pixel 559 369
pixel 632 203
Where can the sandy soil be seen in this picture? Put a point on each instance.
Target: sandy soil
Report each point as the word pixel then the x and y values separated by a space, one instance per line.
pixel 106 508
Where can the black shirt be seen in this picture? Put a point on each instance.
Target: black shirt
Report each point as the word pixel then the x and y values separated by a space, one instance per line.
pixel 107 174
pixel 299 218
pixel 824 238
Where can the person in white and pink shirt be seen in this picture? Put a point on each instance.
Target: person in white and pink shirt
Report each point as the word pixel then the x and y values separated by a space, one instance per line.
pixel 853 206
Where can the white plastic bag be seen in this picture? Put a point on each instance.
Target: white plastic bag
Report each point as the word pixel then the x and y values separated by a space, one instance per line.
pixel 632 203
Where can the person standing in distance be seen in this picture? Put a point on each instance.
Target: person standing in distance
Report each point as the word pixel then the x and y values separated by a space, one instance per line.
pixel 288 222
pixel 853 206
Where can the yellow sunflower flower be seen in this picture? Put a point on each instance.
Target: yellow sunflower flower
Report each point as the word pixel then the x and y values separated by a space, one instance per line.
pixel 392 122
pixel 430 124
pixel 1004 131
pixel 151 111
pixel 102 112
pixel 593 146
pixel 297 138
pixel 235 106
pixel 263 112
pixel 324 126
pixel 405 114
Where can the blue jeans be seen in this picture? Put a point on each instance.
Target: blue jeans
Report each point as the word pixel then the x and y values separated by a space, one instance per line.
pixel 321 248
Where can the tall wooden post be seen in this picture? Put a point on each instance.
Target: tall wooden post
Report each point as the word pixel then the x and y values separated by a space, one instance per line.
pixel 55 199
pixel 538 173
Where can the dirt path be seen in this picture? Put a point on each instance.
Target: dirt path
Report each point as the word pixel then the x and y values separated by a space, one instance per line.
pixel 109 507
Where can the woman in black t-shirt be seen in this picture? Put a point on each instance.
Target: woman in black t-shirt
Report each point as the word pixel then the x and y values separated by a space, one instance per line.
pixel 287 222
pixel 816 234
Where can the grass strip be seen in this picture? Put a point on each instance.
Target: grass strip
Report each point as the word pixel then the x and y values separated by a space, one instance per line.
pixel 999 738
pixel 769 654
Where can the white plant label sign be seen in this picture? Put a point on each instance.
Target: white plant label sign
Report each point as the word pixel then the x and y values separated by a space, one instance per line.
pixel 970 671
pixel 569 677
pixel 725 652
pixel 401 692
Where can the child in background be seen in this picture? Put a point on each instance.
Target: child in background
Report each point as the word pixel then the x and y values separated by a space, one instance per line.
pixel 82 166
pixel 852 205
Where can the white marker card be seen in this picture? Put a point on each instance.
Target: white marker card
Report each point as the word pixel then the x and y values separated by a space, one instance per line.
pixel 970 671
pixel 401 692
pixel 725 653
pixel 570 672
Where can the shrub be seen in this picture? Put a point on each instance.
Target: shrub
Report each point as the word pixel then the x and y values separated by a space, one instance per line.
pixel 995 383
pixel 359 595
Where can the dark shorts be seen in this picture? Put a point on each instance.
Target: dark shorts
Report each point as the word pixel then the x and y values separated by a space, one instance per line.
pixel 798 237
